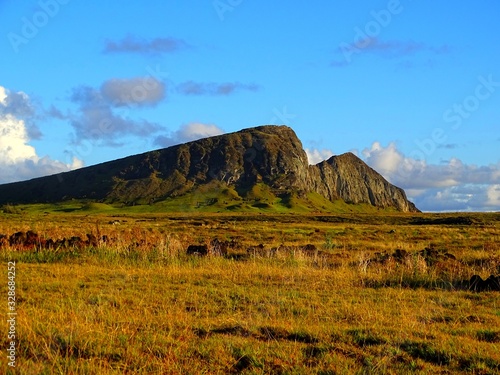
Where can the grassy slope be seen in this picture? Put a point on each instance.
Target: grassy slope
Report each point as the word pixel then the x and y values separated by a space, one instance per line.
pixel 151 309
pixel 210 198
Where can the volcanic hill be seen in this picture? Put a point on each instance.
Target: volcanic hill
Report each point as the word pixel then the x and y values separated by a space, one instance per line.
pixel 258 168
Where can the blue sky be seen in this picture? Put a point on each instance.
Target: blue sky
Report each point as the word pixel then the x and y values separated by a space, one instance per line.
pixel 412 87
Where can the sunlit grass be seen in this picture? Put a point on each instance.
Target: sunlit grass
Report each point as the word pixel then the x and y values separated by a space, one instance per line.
pixel 141 305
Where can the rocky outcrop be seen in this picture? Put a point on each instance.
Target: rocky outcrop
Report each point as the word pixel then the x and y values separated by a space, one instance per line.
pixel 348 178
pixel 270 155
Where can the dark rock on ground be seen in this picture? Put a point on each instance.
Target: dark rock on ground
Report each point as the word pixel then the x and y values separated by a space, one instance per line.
pixel 17 238
pixel 309 249
pixel 400 254
pixel 200 250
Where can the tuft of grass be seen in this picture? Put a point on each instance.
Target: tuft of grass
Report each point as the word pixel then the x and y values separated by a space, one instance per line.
pixel 488 335
pixel 243 361
pixel 10 209
pixel 426 352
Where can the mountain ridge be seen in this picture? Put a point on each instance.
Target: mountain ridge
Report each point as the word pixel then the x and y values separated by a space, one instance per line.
pixel 267 155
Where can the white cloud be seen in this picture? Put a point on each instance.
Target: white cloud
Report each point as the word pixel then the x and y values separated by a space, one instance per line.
pixel 19 105
pixel 385 160
pixel 197 130
pixel 189 132
pixel 465 197
pixel 138 91
pixel 493 194
pixel 454 186
pixel 316 156
pixel 214 89
pixel 99 121
pixel 3 95
pixel 13 141
pixel 18 159
pixel 133 44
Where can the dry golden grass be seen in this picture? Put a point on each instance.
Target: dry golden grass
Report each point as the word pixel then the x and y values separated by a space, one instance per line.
pixel 140 305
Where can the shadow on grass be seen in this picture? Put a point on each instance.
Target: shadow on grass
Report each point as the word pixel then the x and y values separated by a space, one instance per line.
pixel 264 333
pixel 364 338
pixel 243 360
pixel 426 352
pixel 418 283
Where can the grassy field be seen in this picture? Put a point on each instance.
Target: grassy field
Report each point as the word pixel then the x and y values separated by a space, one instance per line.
pixel 138 304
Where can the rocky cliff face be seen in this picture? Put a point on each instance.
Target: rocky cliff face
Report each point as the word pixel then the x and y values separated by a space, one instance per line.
pixel 270 155
pixel 348 178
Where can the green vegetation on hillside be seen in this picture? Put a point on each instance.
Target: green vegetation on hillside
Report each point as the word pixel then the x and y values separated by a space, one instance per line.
pixel 214 197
